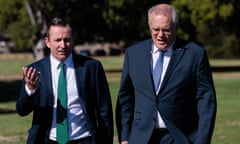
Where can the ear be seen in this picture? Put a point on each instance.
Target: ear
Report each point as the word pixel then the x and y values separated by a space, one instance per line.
pixel 46 40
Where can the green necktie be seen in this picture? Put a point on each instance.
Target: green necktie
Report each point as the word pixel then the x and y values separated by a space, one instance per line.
pixel 62 126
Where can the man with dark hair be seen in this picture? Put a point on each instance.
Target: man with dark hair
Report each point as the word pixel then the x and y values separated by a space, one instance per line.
pixel 67 93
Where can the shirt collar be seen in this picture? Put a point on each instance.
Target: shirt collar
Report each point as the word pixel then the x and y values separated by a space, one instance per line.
pixel 68 62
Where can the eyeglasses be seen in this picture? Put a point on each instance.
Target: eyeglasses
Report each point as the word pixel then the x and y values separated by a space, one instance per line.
pixel 165 31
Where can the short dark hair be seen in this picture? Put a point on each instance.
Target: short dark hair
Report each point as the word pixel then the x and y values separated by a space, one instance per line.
pixel 56 22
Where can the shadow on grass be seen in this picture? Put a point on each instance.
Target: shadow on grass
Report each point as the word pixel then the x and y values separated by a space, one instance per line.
pixel 9 90
pixel 9 93
pixel 7 111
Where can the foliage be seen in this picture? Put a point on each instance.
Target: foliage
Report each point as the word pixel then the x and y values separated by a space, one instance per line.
pixel 100 20
pixel 212 23
pixel 14 20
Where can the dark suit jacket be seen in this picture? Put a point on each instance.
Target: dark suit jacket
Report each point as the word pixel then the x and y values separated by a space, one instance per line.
pixel 93 92
pixel 186 99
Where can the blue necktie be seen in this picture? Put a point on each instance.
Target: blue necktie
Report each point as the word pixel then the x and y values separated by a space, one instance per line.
pixel 157 72
pixel 62 126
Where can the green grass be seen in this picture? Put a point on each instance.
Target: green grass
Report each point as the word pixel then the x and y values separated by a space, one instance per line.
pixel 228 62
pixel 11 64
pixel 111 63
pixel 227 126
pixel 14 128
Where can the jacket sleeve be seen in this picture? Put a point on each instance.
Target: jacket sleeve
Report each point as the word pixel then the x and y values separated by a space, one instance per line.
pixel 24 103
pixel 125 103
pixel 104 107
pixel 206 101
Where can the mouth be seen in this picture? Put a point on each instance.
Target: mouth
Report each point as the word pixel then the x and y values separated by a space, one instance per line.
pixel 62 51
pixel 161 42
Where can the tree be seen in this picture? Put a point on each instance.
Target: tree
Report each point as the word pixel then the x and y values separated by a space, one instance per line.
pixel 213 23
pixel 14 21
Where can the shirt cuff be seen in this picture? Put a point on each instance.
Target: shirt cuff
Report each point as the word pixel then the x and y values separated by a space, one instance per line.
pixel 29 92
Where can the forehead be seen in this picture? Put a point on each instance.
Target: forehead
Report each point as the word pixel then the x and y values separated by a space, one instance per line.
pixel 160 20
pixel 60 31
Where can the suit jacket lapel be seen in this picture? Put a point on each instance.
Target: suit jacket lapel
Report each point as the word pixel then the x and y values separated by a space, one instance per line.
pixel 148 67
pixel 80 73
pixel 80 67
pixel 47 80
pixel 178 51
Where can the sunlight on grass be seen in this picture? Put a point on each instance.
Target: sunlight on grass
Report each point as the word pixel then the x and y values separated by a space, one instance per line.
pixel 227 126
pixel 14 128
pixel 228 62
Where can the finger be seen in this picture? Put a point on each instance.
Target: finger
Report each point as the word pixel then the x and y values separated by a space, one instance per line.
pixel 37 77
pixel 27 71
pixel 32 73
pixel 24 69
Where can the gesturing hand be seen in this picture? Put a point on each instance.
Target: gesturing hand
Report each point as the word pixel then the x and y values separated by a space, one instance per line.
pixel 31 77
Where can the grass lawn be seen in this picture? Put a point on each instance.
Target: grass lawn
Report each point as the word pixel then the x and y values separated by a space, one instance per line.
pixel 14 128
pixel 227 128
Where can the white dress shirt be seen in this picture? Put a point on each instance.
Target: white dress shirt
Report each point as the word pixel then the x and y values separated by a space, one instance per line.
pixel 166 59
pixel 77 125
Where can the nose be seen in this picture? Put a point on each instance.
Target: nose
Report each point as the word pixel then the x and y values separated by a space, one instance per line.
pixel 62 43
pixel 160 33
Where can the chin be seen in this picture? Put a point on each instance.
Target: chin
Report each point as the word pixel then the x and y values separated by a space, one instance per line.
pixel 162 47
pixel 62 58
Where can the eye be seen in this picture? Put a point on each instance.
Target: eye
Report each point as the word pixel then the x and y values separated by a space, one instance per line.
pixel 58 40
pixel 67 40
pixel 166 31
pixel 155 30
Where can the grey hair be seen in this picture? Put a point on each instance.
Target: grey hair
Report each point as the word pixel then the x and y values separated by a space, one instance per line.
pixel 167 10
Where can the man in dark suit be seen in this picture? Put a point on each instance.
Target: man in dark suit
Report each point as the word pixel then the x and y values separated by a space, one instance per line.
pixel 175 104
pixel 88 112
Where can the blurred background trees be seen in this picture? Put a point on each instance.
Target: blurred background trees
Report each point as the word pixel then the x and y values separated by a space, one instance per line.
pixel 212 23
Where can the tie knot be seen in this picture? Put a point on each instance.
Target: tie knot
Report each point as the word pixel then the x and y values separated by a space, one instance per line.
pixel 61 65
pixel 161 52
